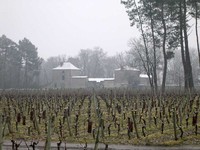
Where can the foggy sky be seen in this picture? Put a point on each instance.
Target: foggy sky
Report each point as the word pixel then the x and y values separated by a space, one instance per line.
pixel 59 27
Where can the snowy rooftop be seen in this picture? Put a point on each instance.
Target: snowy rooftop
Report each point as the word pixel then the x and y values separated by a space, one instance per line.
pixel 79 77
pixel 128 68
pixel 144 76
pixel 66 66
pixel 100 79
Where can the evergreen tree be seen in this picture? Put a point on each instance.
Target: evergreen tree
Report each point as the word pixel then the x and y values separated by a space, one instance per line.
pixel 31 64
pixel 10 63
pixel 164 23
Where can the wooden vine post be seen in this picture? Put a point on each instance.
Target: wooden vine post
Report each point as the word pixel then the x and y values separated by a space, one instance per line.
pixel 174 124
pixel 1 132
pixel 48 138
pixel 135 124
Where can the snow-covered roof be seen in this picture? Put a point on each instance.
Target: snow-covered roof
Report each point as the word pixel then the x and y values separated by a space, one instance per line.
pixel 128 68
pixel 144 76
pixel 66 66
pixel 100 79
pixel 79 77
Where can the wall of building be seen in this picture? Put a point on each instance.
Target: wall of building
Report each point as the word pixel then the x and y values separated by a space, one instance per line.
pixel 71 78
pixel 63 78
pixel 109 83
pixel 79 83
pixel 127 77
pixel 144 81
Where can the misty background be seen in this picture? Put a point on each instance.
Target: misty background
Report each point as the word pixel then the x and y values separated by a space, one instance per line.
pixel 93 35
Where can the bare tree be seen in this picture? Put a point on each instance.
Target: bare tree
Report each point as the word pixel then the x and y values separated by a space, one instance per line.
pixel 121 60
pixel 46 69
pixel 138 52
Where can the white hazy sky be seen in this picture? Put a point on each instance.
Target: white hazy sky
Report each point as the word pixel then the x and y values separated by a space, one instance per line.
pixel 59 27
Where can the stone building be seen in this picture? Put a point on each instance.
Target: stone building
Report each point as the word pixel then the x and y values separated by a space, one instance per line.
pixel 69 76
pixel 123 77
pixel 127 77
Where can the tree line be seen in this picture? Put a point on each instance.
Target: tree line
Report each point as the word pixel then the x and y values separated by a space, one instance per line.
pixel 95 63
pixel 164 26
pixel 21 67
pixel 162 52
pixel 19 64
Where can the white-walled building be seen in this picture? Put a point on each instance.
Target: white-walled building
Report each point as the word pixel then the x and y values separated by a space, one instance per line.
pixel 69 76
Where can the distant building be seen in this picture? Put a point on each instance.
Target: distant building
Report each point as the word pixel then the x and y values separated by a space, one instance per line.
pixel 144 80
pixel 69 76
pixel 127 77
pixel 101 82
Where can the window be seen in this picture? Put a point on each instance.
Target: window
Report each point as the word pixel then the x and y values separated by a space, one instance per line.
pixel 55 85
pixel 63 77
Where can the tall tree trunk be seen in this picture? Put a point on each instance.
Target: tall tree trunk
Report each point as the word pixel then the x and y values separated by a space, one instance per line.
pixel 164 50
pixel 187 53
pixel 5 70
pixel 146 49
pixel 196 29
pixel 182 44
pixel 18 77
pixel 26 73
pixel 154 53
